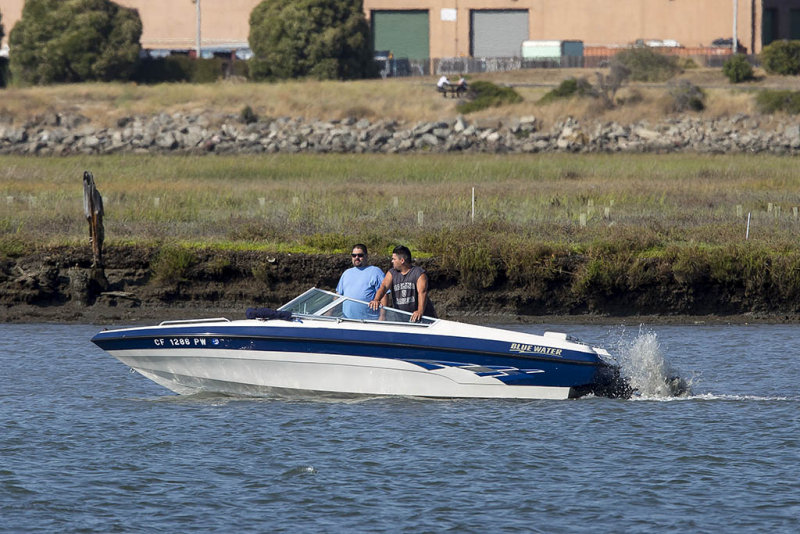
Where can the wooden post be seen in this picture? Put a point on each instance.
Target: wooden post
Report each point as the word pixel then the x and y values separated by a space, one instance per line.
pixel 473 204
pixel 747 231
pixel 93 211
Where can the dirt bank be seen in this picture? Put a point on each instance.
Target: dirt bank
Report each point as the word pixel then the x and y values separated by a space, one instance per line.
pixel 138 285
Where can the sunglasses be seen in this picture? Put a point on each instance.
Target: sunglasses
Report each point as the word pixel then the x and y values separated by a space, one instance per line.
pixel 357 255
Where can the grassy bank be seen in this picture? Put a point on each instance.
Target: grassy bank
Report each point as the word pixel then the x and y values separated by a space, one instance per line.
pixel 599 232
pixel 322 203
pixel 405 99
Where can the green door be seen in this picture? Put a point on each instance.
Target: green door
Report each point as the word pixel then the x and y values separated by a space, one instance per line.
pixel 794 24
pixel 403 33
pixel 769 26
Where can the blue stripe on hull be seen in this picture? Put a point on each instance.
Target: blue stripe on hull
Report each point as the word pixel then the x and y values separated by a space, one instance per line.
pixel 573 368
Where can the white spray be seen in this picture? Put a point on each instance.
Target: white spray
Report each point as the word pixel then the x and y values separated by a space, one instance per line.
pixel 642 362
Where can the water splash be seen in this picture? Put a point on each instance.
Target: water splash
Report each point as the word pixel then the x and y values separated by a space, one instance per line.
pixel 643 364
pixel 302 470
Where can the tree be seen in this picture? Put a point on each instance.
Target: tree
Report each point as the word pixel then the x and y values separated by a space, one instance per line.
pixel 781 57
pixel 3 61
pixel 646 65
pixel 737 69
pixel 73 41
pixel 324 39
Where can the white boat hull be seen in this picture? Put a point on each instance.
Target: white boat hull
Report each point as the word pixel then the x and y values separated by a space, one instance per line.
pixel 258 373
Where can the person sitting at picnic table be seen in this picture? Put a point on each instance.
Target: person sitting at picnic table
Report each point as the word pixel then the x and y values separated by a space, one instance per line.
pixel 442 84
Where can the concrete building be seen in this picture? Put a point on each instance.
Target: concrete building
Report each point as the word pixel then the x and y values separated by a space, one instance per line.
pixel 173 24
pixel 481 28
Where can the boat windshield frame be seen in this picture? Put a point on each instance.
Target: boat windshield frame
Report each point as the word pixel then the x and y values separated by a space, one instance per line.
pixel 322 304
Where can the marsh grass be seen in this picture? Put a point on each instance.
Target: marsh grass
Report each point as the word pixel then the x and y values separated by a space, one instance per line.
pixel 648 218
pixel 323 203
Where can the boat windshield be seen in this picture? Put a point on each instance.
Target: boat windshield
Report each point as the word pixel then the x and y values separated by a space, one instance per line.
pixel 321 303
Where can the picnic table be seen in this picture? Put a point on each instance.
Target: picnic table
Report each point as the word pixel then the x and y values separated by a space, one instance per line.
pixel 454 89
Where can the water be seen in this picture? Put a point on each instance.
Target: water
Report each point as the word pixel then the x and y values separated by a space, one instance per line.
pixel 86 446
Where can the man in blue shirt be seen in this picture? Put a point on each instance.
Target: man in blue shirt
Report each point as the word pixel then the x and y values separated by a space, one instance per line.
pixel 361 281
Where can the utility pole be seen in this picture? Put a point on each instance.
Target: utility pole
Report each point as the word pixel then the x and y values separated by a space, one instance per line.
pixel 197 15
pixel 734 45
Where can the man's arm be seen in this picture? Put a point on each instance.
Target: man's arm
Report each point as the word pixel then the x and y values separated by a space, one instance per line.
pixel 381 292
pixel 422 297
pixel 340 285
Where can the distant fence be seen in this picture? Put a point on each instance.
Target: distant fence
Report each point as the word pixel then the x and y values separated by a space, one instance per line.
pixel 593 58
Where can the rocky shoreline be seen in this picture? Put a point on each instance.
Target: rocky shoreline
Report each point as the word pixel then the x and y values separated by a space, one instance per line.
pixel 62 134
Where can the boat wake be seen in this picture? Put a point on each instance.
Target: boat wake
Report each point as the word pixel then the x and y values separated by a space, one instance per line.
pixel 648 373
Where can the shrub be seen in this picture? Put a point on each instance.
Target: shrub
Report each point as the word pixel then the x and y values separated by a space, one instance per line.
pixel 173 263
pixel 478 265
pixel 181 68
pixel 328 242
pixel 781 57
pixel 486 95
pixel 324 39
pixel 610 83
pixel 737 69
pixel 13 245
pixel 164 70
pixel 645 65
pixel 769 101
pixel 3 61
pixel 247 115
pixel 569 88
pixel 686 96
pixel 4 75
pixel 73 41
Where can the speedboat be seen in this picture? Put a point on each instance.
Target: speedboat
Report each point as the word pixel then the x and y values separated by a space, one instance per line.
pixel 323 343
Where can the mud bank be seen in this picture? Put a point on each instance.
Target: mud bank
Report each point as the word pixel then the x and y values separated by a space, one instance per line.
pixel 60 285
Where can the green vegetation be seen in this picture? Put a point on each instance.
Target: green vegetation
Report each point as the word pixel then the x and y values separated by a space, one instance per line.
pixel 645 65
pixel 73 41
pixel 486 95
pixel 737 69
pixel 247 115
pixel 769 101
pixel 322 39
pixel 781 57
pixel 322 202
pixel 569 88
pixel 173 263
pixel 686 97
pixel 4 74
pixel 649 219
pixel 3 60
pixel 606 90
pixel 179 68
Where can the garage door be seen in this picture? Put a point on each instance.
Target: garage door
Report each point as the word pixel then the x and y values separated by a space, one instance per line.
pixel 498 33
pixel 403 33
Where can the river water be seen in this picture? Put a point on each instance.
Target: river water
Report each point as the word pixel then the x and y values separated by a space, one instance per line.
pixel 87 446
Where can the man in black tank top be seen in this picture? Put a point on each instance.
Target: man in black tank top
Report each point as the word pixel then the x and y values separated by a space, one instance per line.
pixel 409 286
